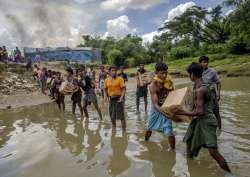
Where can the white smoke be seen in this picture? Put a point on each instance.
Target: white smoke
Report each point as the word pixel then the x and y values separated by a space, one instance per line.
pixel 42 23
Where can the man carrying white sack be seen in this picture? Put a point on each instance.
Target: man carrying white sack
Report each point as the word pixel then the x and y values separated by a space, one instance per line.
pixel 158 121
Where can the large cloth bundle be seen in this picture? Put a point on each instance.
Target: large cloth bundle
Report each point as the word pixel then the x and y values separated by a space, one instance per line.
pixel 145 78
pixel 67 88
pixel 182 99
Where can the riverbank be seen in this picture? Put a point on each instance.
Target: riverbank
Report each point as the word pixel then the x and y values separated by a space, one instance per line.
pixel 226 65
pixel 28 94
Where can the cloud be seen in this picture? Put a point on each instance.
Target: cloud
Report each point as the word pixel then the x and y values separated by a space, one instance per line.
pixel 175 12
pixel 148 37
pixel 229 12
pixel 209 9
pixel 118 27
pixel 41 23
pixel 121 5
pixel 179 10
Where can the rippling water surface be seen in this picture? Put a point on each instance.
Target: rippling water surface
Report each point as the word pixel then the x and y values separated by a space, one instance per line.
pixel 40 141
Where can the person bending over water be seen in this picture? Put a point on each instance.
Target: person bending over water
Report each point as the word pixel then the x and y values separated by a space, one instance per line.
pixel 202 129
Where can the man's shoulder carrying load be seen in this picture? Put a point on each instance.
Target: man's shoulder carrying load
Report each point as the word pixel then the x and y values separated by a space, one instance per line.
pixel 181 99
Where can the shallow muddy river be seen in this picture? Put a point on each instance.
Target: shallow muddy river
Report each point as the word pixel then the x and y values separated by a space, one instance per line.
pixel 40 141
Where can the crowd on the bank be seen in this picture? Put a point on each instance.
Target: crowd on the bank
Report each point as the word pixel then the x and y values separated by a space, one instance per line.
pixel 15 55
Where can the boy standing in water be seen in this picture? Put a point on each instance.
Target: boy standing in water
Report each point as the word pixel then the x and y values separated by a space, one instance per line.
pixel 115 90
pixel 159 89
pixel 202 129
pixel 211 78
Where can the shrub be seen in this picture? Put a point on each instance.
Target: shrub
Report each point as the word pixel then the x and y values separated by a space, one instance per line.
pixel 130 62
pixel 115 57
pixel 180 52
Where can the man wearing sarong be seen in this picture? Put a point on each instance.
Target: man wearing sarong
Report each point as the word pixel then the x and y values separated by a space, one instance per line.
pixel 211 78
pixel 159 89
pixel 202 129
pixel 115 90
pixel 142 88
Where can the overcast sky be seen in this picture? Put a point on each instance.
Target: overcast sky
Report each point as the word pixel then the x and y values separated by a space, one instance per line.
pixel 42 23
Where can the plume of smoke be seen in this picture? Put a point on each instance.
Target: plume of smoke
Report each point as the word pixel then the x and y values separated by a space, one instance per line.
pixel 47 24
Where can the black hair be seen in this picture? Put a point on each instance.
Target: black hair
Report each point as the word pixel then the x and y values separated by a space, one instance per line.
pixel 195 69
pixel 112 67
pixel 161 67
pixel 203 58
pixel 70 70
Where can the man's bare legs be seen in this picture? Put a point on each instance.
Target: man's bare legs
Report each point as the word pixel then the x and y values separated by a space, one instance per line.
pixel 171 140
pixel 98 109
pixel 74 108
pixel 219 159
pixel 216 156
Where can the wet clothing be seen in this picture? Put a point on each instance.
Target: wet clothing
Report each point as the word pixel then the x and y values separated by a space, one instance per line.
pixel 202 129
pixel 156 120
pixel 159 122
pixel 141 91
pixel 211 78
pixel 114 86
pixel 90 96
pixel 116 109
pixel 76 96
pixel 86 85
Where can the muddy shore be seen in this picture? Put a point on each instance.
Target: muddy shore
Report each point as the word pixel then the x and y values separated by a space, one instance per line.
pixel 23 96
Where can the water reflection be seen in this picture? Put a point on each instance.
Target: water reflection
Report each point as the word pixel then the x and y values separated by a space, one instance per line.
pixel 94 138
pixel 42 140
pixel 161 159
pixel 119 162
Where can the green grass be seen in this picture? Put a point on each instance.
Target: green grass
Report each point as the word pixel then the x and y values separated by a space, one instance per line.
pixel 228 65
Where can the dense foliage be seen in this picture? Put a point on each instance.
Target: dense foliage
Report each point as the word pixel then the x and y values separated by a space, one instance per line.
pixel 196 32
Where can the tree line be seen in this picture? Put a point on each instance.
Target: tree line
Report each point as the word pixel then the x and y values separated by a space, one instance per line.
pixel 196 32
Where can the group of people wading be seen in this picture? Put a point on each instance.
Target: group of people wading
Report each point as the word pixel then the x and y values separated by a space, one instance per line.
pixel 111 86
